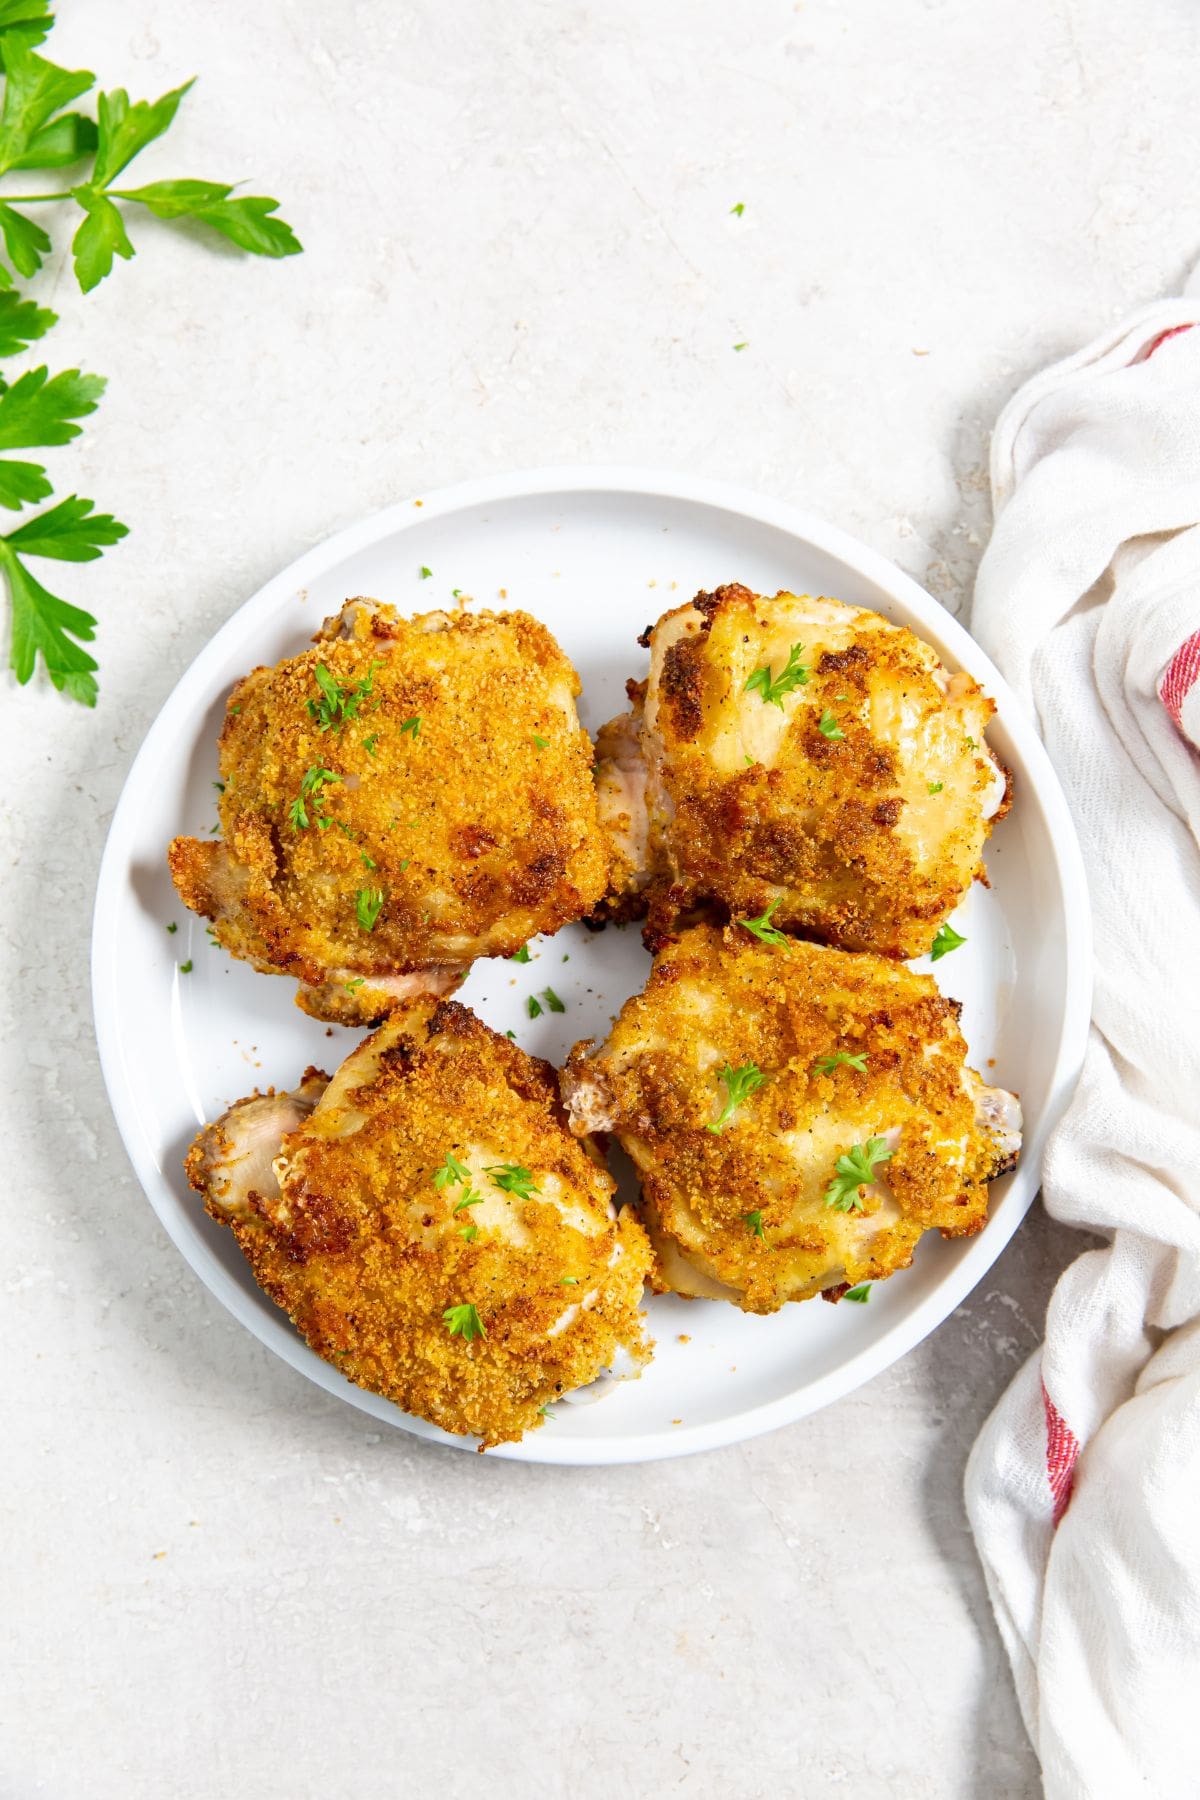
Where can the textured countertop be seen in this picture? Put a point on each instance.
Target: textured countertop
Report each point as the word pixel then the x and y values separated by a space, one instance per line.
pixel 520 251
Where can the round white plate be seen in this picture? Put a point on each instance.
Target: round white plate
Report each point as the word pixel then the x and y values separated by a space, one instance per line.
pixel 597 555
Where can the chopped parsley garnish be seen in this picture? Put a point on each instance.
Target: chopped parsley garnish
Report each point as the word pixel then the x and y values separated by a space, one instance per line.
pixel 743 346
pixel 855 1170
pixel 740 1083
pixel 468 1233
pixel 552 1000
pixel 828 727
pixel 512 1035
pixel 370 743
pixel 546 1413
pixel 935 787
pixel 470 1198
pixel 513 1179
pixel 464 1322
pixel 186 968
pixel 412 726
pixel 971 744
pixel 739 209
pixel 172 927
pixel 521 955
pixel 569 1281
pixel 337 702
pixel 946 940
pixel 763 929
pixel 312 788
pixel 368 904
pixel 825 1065
pixel 220 786
pixel 367 860
pixel 533 1007
pixel 754 1221
pixel 353 986
pixel 425 573
pixel 451 1170
pixel 860 1294
pixel 794 674
pixel 541 742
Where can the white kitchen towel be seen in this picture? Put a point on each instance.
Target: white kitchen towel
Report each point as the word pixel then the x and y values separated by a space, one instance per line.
pixel 1084 1487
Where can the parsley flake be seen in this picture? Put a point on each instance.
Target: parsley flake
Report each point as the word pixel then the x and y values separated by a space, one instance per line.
pixel 860 1294
pixel 513 1179
pixel 763 929
pixel 825 1065
pixel 552 1001
pixel 368 904
pixel 354 984
pixel 521 955
pixel 425 573
pixel 468 1233
pixel 739 209
pixel 794 674
pixel 533 1007
pixel 946 940
pixel 569 1281
pixel 541 742
pixel 853 1171
pixel 172 927
pixel 470 1198
pixel 754 1221
pixel 935 787
pixel 370 743
pixel 829 728
pixel 186 968
pixel 412 726
pixel 744 346
pixel 312 788
pixel 336 701
pixel 740 1083
pixel 464 1321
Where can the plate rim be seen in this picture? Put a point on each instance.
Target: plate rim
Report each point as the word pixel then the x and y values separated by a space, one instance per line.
pixel 274 1332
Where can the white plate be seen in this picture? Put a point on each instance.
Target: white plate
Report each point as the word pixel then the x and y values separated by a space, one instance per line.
pixel 596 554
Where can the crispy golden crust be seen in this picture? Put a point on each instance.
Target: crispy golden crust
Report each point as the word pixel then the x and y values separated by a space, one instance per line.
pixel 478 825
pixel 867 838
pixel 720 998
pixel 354 1240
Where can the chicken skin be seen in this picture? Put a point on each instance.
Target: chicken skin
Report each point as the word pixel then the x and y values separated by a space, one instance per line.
pixel 432 1227
pixel 408 795
pixel 802 755
pixel 798 1116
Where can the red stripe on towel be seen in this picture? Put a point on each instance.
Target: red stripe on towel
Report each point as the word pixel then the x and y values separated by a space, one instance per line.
pixel 1062 1450
pixel 1180 676
pixel 1153 345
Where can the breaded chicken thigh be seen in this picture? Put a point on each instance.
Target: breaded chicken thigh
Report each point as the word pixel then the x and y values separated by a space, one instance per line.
pixel 432 1227
pixel 408 795
pixel 798 1116
pixel 802 755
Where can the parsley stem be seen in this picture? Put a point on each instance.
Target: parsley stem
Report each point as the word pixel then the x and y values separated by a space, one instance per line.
pixel 32 199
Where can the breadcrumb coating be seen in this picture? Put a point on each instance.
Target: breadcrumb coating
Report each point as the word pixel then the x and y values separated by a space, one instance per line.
pixel 857 794
pixel 440 808
pixel 737 1208
pixel 335 1197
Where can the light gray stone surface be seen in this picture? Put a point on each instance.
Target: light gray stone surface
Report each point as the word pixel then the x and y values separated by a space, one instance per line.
pixel 520 250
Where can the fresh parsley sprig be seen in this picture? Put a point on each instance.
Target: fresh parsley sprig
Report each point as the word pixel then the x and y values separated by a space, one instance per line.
pixel 740 1083
pixel 855 1170
pixel 464 1321
pixel 825 1065
pixel 793 675
pixel 947 939
pixel 512 1178
pixel 764 931
pixel 38 130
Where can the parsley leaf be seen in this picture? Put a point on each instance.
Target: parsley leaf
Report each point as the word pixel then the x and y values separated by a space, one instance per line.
pixel 468 1232
pixel 860 1294
pixel 368 904
pixel 739 209
pixel 311 788
pixel 935 787
pixel 21 322
pixel 855 1170
pixel 533 1007
pixel 793 675
pixel 754 1221
pixel 246 221
pixel 464 1321
pixel 521 955
pixel 947 939
pixel 34 89
pixel 513 1179
pixel 412 726
pixel 337 701
pixel 425 573
pixel 451 1170
pixel 763 929
pixel 552 1001
pixel 541 742
pixel 740 1083
pixel 186 968
pixel 829 728
pixel 825 1065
